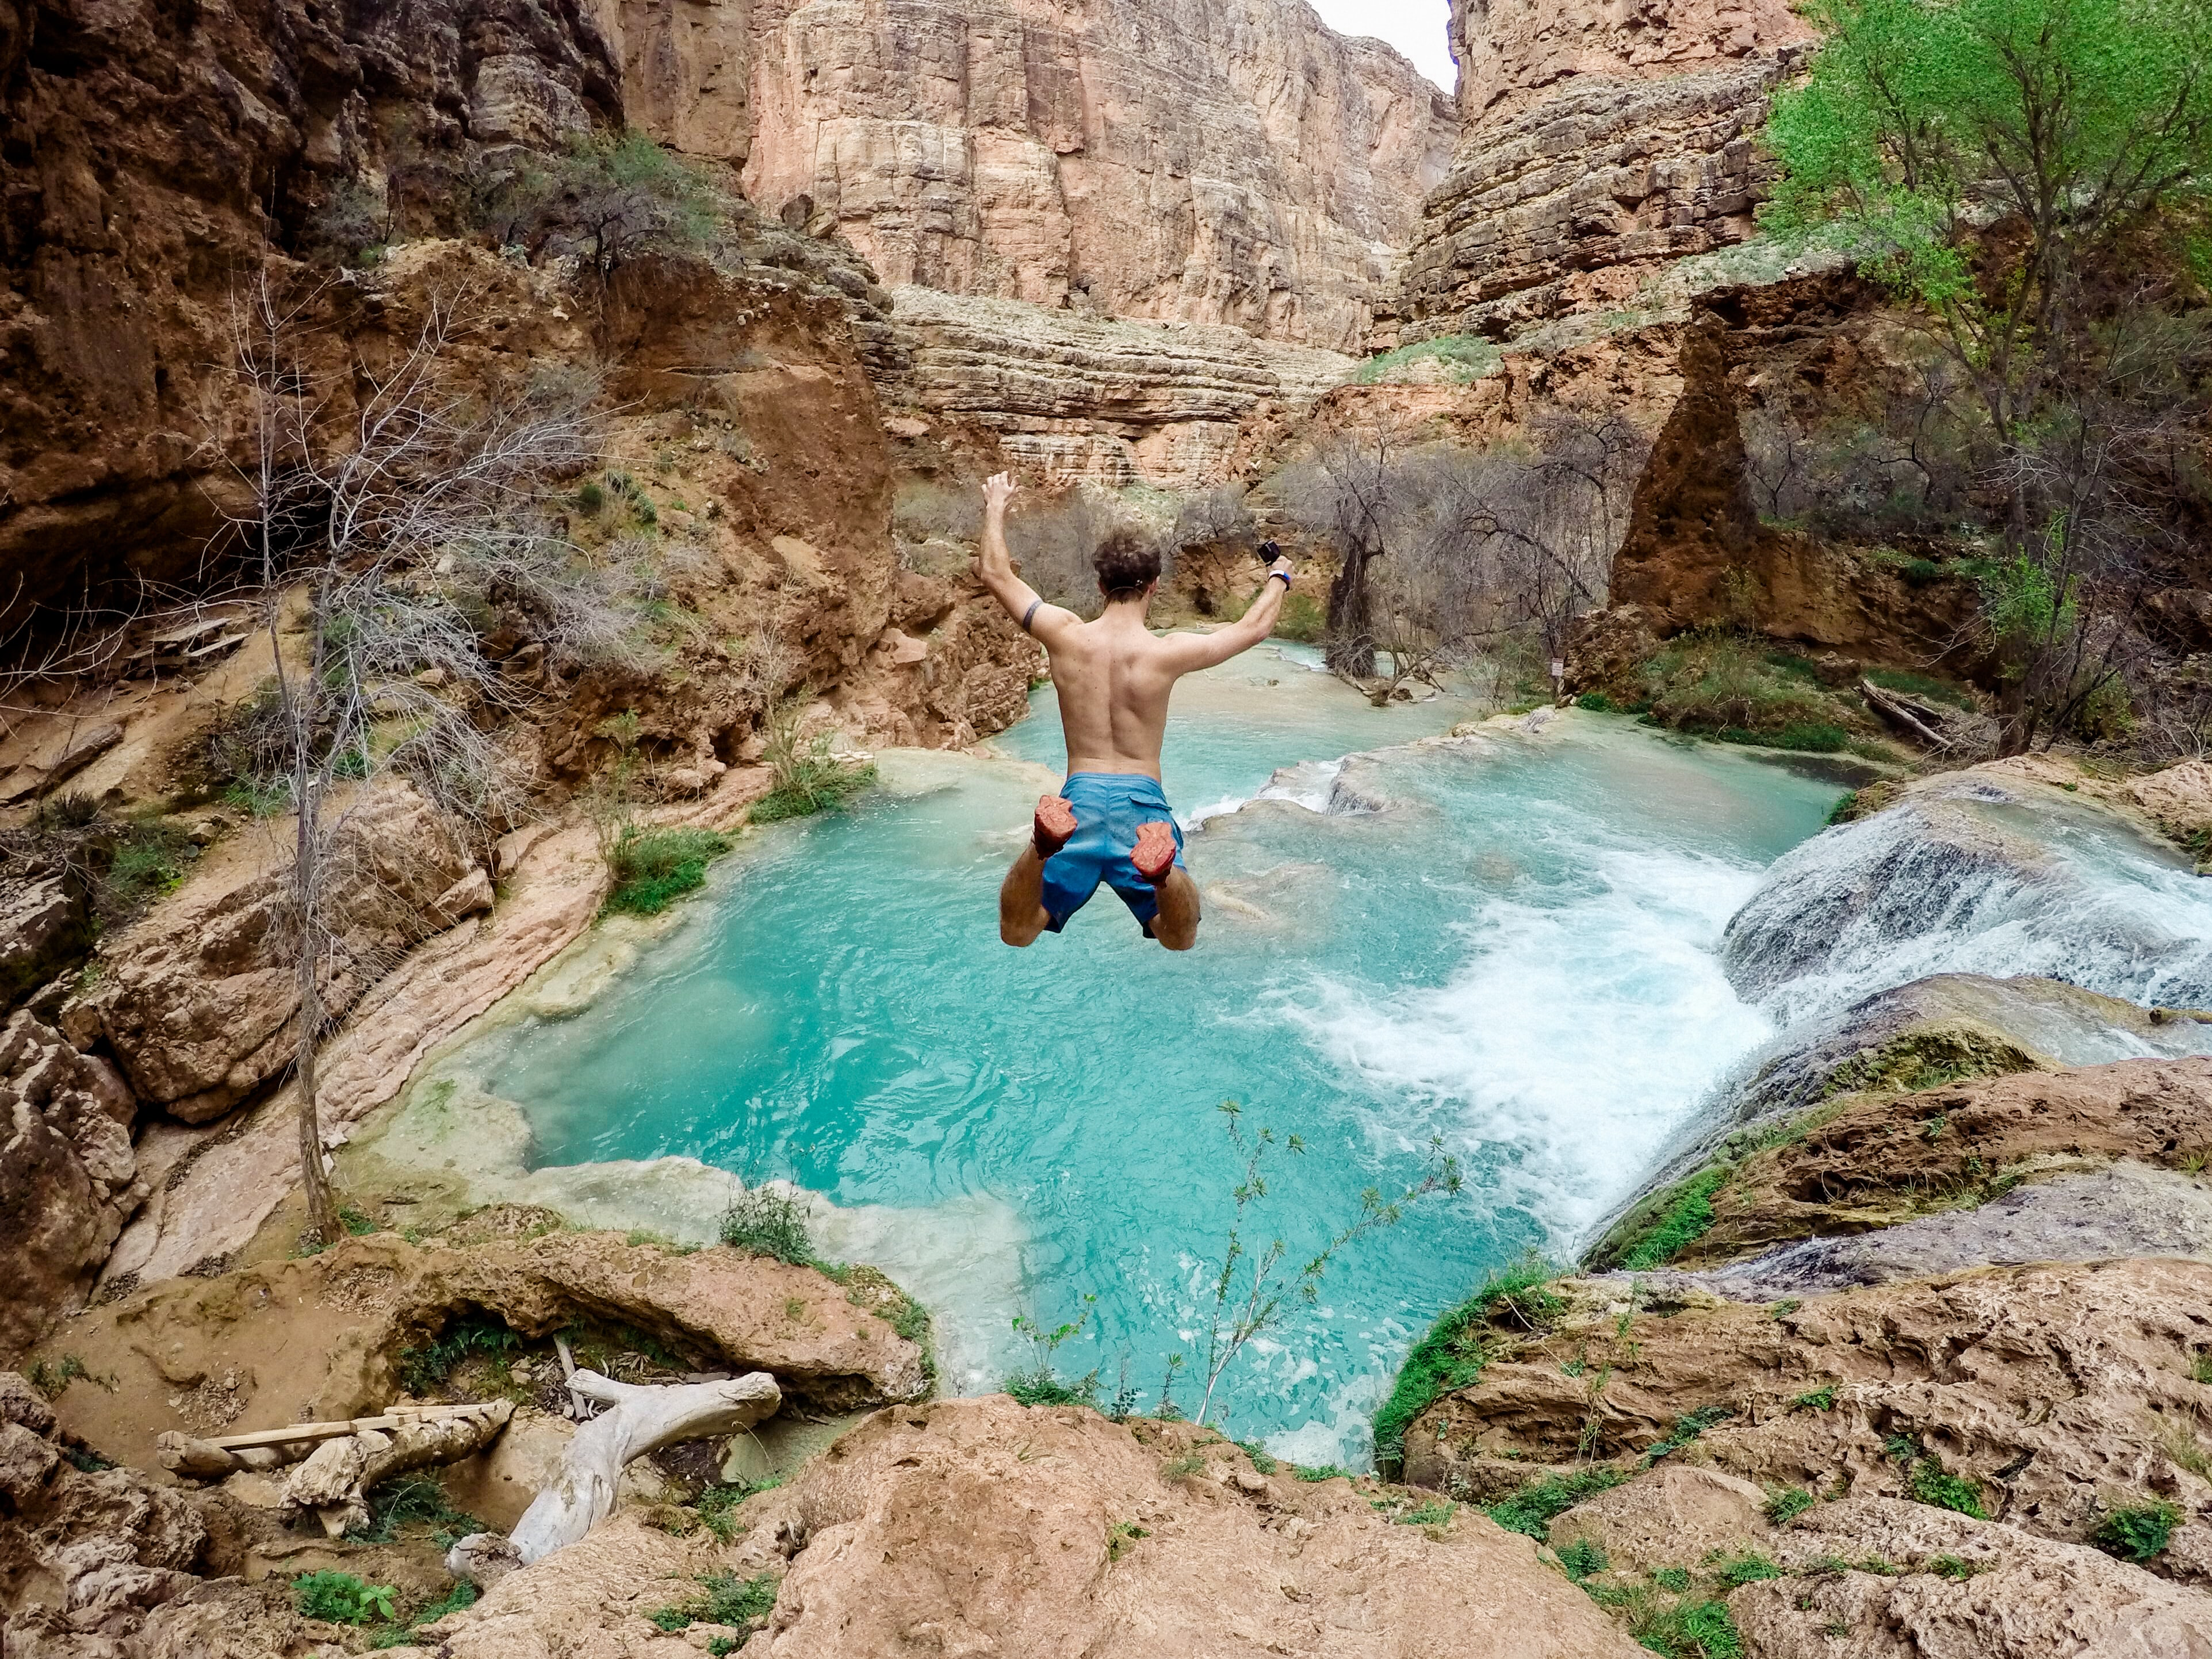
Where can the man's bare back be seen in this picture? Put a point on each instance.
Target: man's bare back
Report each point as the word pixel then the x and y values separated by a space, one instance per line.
pixel 1114 677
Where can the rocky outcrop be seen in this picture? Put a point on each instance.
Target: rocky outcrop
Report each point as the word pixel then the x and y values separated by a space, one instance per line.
pixel 1214 163
pixel 85 1557
pixel 326 1334
pixel 1075 397
pixel 1600 143
pixel 971 1526
pixel 68 1176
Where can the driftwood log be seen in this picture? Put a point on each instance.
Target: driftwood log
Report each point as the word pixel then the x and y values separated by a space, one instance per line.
pixel 213 1456
pixel 1923 719
pixel 636 1420
pixel 335 1479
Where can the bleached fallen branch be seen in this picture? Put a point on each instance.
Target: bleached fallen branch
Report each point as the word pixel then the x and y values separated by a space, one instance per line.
pixel 335 1479
pixel 640 1420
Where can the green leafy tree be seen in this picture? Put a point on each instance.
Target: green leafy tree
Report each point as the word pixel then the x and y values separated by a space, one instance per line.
pixel 2001 164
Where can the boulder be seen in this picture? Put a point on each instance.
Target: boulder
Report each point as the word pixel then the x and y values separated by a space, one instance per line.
pixel 68 1178
pixel 1954 1588
pixel 1674 1516
pixel 978 1526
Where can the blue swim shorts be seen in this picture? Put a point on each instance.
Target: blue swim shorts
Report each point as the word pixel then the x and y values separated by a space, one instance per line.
pixel 1110 807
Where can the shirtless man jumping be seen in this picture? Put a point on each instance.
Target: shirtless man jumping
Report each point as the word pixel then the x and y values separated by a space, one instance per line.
pixel 1111 822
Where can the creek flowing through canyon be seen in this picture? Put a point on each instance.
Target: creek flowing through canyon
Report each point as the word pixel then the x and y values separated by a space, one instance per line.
pixel 1515 944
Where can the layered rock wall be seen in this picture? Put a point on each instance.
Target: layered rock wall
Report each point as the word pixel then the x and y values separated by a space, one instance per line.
pixel 1076 397
pixel 1213 163
pixel 1601 141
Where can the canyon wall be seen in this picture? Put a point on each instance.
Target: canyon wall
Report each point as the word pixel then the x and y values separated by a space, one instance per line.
pixel 1601 141
pixel 1207 160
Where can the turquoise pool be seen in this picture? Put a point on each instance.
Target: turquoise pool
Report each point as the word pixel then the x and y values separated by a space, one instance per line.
pixel 1517 954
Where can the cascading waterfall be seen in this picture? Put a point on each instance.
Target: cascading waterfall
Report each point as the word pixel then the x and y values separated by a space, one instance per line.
pixel 1973 877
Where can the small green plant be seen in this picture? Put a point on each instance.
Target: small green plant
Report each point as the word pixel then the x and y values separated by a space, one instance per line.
pixel 357 1221
pixel 728 1599
pixel 1121 1537
pixel 1931 1484
pixel 1687 1217
pixel 424 1369
pixel 339 1598
pixel 808 777
pixel 1954 1568
pixel 1596 701
pixel 1747 1568
pixel 764 1220
pixel 653 868
pixel 1436 1512
pixel 1452 1354
pixel 1529 1511
pixel 1788 1505
pixel 53 1380
pixel 1784 1308
pixel 1688 1428
pixel 1249 1297
pixel 1583 1559
pixel 1675 1580
pixel 1822 1399
pixel 717 1506
pixel 2200 1366
pixel 1039 1383
pixel 1690 1630
pixel 402 1635
pixel 1178 1468
pixel 1318 1472
pixel 1262 1461
pixel 2139 1533
pixel 414 1501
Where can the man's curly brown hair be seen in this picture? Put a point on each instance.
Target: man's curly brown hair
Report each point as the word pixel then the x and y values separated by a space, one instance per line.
pixel 1127 563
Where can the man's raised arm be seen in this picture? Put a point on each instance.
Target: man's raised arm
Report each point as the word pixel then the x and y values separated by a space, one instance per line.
pixel 1191 652
pixel 994 566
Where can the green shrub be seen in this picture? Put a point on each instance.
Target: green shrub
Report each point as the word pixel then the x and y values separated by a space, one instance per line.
pixel 766 1221
pixel 424 1369
pixel 1931 1484
pixel 811 783
pixel 1529 1511
pixel 1688 1428
pixel 729 1599
pixel 1686 1217
pixel 1583 1559
pixel 1043 1387
pixel 1452 1354
pixel 1954 1568
pixel 1262 1459
pixel 1463 358
pixel 1690 1630
pixel 1320 1472
pixel 1821 1398
pixel 1302 620
pixel 339 1598
pixel 1596 701
pixel 414 1500
pixel 1747 1568
pixel 653 868
pixel 1674 1579
pixel 2138 1534
pixel 1788 1505
pixel 402 1635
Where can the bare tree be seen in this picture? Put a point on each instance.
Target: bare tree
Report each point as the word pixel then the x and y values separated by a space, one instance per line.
pixel 367 488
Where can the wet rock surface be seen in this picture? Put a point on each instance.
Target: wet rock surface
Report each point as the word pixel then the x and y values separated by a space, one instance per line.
pixel 2128 1209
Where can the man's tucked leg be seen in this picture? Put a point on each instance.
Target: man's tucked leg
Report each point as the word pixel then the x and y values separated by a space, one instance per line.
pixel 1177 925
pixel 1022 914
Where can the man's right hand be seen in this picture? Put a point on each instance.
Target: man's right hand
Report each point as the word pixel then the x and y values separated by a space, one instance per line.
pixel 1281 567
pixel 998 490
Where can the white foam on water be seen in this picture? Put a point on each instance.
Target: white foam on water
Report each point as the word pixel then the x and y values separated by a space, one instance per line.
pixel 1969 886
pixel 1575 1038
